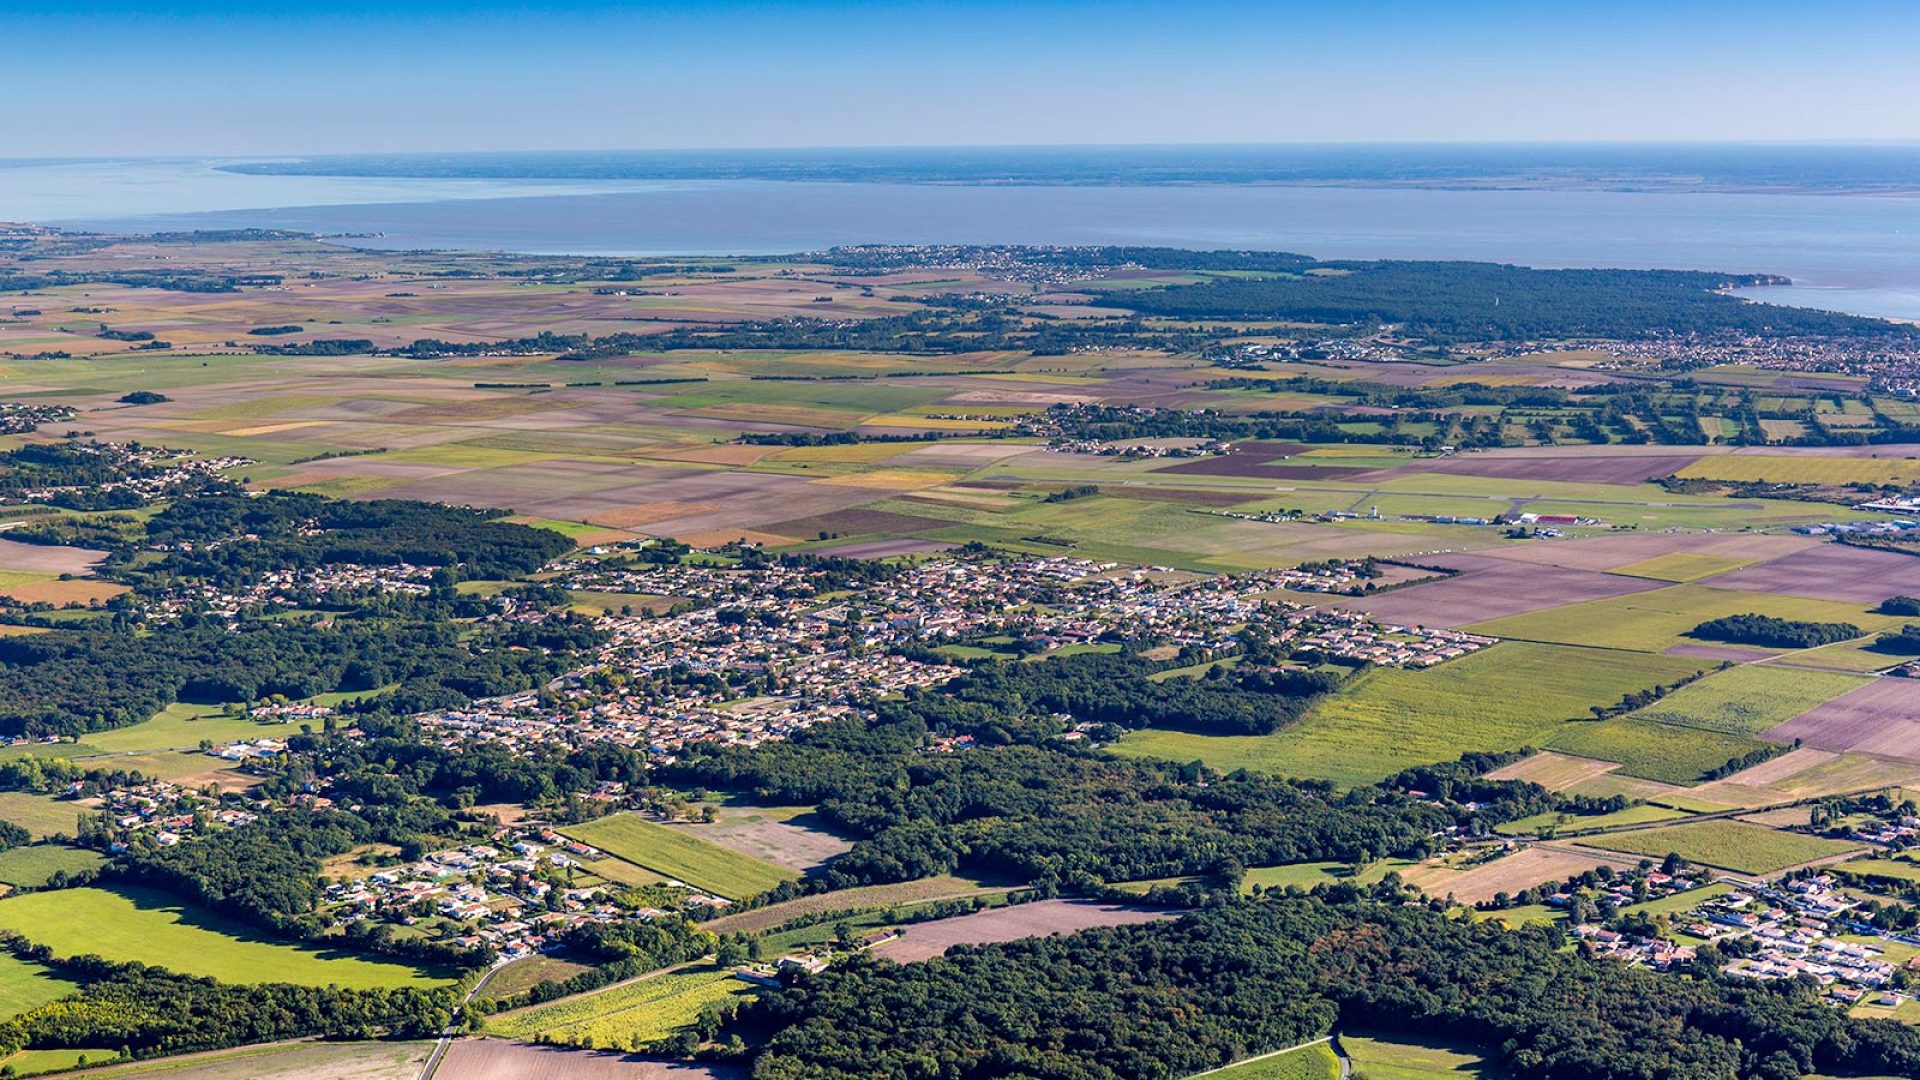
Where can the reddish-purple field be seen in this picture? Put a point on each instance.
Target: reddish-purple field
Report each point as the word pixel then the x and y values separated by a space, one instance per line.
pixel 498 1059
pixel 1831 572
pixel 1492 589
pixel 1882 717
pixel 857 523
pixel 1237 465
pixel 886 549
pixel 1571 468
pixel 1042 918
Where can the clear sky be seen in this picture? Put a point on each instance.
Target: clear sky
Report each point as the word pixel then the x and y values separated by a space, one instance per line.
pixel 96 77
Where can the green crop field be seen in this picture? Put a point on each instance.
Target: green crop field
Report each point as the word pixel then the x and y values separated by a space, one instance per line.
pixel 40 815
pixel 1652 621
pixel 131 923
pixel 1729 845
pixel 1749 699
pixel 1316 1062
pixel 182 727
pixel 1396 1059
pixel 1900 869
pixel 25 985
pixel 1512 695
pixel 32 866
pixel 1633 815
pixel 627 1016
pixel 675 854
pixel 1665 752
pixel 1307 875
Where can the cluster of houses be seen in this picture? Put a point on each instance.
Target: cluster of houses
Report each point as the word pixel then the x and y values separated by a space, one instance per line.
pixel 149 472
pixel 509 895
pixel 765 652
pixel 289 588
pixel 1889 362
pixel 162 811
pixel 1801 928
pixel 22 417
pixel 1350 635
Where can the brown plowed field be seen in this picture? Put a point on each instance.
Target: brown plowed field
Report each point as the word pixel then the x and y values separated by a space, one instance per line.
pixel 1831 572
pixel 1042 918
pixel 1882 717
pixel 1583 468
pixel 500 1059
pixel 1493 593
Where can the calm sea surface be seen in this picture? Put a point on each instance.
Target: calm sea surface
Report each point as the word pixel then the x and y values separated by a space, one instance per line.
pixel 1849 252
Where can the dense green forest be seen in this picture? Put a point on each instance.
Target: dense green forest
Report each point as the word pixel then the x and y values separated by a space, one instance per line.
pixel 1467 301
pixel 1756 629
pixel 1170 1000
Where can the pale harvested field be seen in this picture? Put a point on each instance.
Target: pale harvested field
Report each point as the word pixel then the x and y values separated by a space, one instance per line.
pixel 1042 918
pixel 61 593
pixel 1808 773
pixel 46 559
pixel 1553 770
pixel 793 842
pixel 1607 785
pixel 501 1059
pixel 1587 468
pixel 286 1061
pixel 1603 553
pixel 1493 589
pixel 1882 717
pixel 1521 870
pixel 1831 572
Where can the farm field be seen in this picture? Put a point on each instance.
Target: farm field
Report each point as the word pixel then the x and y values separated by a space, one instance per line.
pixel 1877 718
pixel 1040 918
pixel 33 865
pixel 40 815
pixel 26 985
pixel 1513 873
pixel 133 923
pixel 285 1061
pixel 1667 753
pixel 497 1059
pixel 1749 699
pixel 676 854
pixel 526 973
pixel 1652 621
pixel 1312 1062
pixel 1512 695
pixel 627 1016
pixel 1729 845
pixel 1397 1059
pixel 1562 822
pixel 943 887
pixel 789 836
pixel 1307 875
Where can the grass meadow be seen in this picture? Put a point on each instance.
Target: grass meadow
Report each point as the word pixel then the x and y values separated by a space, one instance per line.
pixel 1728 845
pixel 675 854
pixel 131 923
pixel 1511 695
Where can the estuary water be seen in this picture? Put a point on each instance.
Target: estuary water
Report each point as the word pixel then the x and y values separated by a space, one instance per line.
pixel 1845 251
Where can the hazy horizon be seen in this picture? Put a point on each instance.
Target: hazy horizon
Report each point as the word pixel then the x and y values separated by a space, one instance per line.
pixel 299 77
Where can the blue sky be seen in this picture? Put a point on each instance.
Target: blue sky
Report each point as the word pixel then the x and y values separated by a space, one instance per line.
pixel 83 77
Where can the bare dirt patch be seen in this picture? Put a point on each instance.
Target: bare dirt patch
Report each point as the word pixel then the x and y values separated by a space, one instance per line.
pixel 1042 918
pixel 1831 572
pixel 797 843
pixel 1882 717
pixel 48 559
pixel 500 1059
